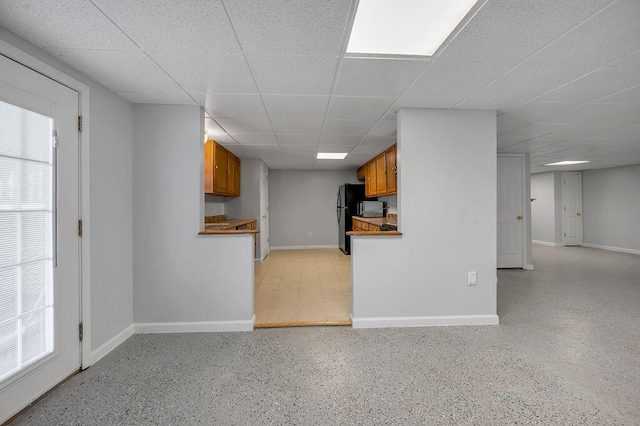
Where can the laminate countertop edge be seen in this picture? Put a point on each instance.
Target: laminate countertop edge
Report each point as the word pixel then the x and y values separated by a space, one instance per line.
pixel 228 231
pixel 374 233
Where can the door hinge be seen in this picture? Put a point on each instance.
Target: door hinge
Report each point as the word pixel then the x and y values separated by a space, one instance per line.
pixel 80 331
pixel 79 123
pixel 80 227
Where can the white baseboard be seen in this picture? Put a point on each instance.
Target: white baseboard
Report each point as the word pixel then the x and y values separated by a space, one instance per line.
pixel 194 327
pixel 383 322
pixel 528 267
pixel 547 243
pixel 111 344
pixel 618 249
pixel 303 247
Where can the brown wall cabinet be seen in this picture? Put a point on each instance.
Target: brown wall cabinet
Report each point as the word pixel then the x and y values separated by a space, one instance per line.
pixel 221 171
pixel 380 174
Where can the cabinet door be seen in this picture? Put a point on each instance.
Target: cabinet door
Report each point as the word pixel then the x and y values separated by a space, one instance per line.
pixel 381 175
pixel 219 170
pixel 392 174
pixel 370 179
pixel 236 178
pixel 230 174
pixel 208 167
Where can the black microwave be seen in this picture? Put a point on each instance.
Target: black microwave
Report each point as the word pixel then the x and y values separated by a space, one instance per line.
pixel 371 209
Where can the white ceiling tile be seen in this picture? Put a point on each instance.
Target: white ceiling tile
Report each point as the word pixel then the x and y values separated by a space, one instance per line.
pixel 300 149
pixel 599 113
pixel 528 146
pixel 335 148
pixel 404 102
pixel 212 127
pixel 72 24
pixel 207 73
pixel 298 139
pixel 377 77
pixel 177 98
pixel 630 96
pixel 632 60
pixel 529 113
pixel 340 140
pixel 249 139
pixel 296 107
pixel 222 138
pixel 446 79
pixel 348 127
pixel 300 163
pixel 252 126
pixel 528 81
pixel 511 31
pixel 622 132
pixel 606 37
pixel 235 106
pixel 236 150
pixel 385 128
pixel 294 75
pixel 263 151
pixel 379 142
pixel 195 26
pixel 499 105
pixel 359 108
pixel 297 126
pixel 595 85
pixel 276 163
pixel 308 27
pixel 119 70
pixel 366 150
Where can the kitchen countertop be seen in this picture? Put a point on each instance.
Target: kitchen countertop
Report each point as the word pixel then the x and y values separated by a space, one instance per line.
pixel 228 224
pixel 220 225
pixel 377 220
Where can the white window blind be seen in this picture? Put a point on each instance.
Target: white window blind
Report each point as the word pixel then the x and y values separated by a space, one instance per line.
pixel 26 238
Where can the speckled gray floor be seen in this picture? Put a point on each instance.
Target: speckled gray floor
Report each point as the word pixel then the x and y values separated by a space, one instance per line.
pixel 567 352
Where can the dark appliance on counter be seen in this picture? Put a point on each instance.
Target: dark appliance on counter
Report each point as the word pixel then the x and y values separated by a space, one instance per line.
pixel 371 209
pixel 349 195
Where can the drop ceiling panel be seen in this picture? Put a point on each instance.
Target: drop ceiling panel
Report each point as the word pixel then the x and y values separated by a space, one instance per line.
pixel 177 98
pixel 250 139
pixel 614 114
pixel 308 27
pixel 377 77
pixel 297 126
pixel 531 112
pixel 499 105
pixel 245 126
pixel 339 140
pixel 71 24
pixel 208 73
pixel 511 31
pixel 335 148
pixel 294 75
pixel 195 26
pixel 299 139
pixel 359 108
pixel 296 107
pixel 379 142
pixel 385 128
pixel 596 85
pixel 630 96
pixel 263 151
pixel 528 81
pixel 119 70
pixel 348 127
pixel 221 138
pixel 632 60
pixel 606 37
pixel 235 106
pixel 403 102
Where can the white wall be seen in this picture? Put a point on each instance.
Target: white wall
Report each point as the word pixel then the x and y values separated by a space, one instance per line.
pixel 214 205
pixel 611 202
pixel 108 224
pixel 303 201
pixel 183 281
pixel 543 209
pixel 447 214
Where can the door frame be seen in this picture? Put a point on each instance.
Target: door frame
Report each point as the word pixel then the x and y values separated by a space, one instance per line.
pixel 564 222
pixel 24 58
pixel 526 208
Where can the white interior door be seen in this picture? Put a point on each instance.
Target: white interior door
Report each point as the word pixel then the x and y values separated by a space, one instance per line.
pixel 572 209
pixel 264 212
pixel 39 243
pixel 510 214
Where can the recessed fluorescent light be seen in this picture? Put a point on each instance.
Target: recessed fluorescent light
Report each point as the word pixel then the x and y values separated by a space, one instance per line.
pixel 331 155
pixel 567 163
pixel 405 27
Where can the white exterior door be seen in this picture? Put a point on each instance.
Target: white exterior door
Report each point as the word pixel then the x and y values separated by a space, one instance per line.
pixel 510 212
pixel 572 209
pixel 264 212
pixel 39 243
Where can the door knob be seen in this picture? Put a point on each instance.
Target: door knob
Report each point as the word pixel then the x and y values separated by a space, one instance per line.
pixel 519 218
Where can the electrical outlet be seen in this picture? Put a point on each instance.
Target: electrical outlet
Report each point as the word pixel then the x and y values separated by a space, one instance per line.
pixel 310 234
pixel 473 278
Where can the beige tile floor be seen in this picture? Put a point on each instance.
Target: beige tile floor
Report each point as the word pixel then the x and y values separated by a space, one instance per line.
pixel 303 286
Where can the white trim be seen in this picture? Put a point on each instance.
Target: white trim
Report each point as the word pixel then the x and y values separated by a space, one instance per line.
pixel 547 243
pixel 383 322
pixel 111 344
pixel 303 247
pixel 610 248
pixel 528 267
pixel 16 53
pixel 194 327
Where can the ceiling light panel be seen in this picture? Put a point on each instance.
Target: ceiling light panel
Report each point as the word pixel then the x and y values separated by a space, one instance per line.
pixel 566 163
pixel 331 155
pixel 405 27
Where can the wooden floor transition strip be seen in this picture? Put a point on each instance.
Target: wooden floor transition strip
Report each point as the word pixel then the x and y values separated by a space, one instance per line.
pixel 301 324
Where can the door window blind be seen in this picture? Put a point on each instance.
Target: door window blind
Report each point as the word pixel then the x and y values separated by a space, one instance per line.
pixel 26 238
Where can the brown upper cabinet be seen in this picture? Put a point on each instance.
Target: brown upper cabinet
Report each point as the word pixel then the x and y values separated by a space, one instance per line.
pixel 380 174
pixel 221 171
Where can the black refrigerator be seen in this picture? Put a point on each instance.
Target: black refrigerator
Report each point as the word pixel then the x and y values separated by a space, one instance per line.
pixel 348 196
